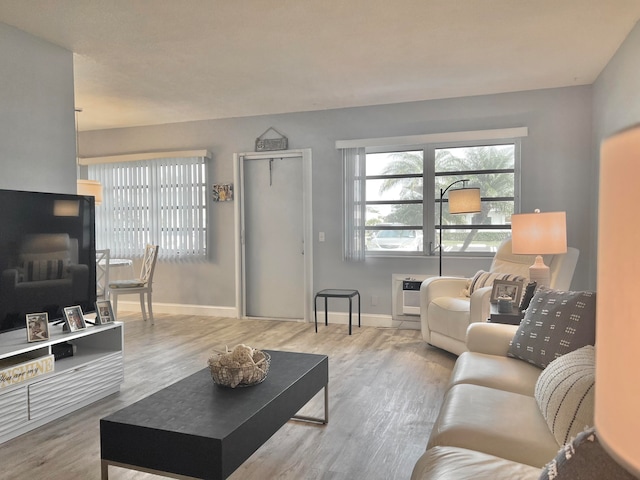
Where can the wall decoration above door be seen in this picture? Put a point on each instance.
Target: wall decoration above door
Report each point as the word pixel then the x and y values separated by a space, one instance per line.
pixel 270 144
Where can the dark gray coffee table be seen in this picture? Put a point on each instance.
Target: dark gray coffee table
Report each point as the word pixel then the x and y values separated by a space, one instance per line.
pixel 196 429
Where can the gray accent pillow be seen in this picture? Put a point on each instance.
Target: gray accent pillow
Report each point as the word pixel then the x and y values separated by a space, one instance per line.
pixel 565 393
pixel 584 459
pixel 556 322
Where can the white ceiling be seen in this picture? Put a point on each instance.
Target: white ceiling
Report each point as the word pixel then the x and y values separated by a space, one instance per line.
pixel 146 62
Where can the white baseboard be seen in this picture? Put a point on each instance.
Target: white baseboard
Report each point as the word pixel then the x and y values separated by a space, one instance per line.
pixel 181 309
pixel 366 319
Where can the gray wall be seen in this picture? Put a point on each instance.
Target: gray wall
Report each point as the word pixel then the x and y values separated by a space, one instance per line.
pixel 616 105
pixel 37 125
pixel 556 175
pixel 37 151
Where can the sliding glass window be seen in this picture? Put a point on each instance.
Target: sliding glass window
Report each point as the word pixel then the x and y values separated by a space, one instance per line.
pixel 402 197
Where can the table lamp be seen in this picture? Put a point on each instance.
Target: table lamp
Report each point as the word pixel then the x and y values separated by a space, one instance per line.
pixel 461 200
pixel 90 188
pixel 617 412
pixel 539 234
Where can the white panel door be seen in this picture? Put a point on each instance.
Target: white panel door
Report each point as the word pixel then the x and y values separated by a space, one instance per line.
pixel 274 237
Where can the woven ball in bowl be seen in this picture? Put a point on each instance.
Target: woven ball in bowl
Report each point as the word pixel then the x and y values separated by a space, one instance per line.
pixel 244 376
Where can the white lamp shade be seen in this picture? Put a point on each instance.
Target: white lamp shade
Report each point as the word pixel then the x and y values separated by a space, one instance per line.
pixel 91 188
pixel 539 233
pixel 617 415
pixel 464 200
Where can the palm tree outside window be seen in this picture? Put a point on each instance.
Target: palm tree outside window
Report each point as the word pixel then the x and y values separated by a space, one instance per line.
pixel 403 195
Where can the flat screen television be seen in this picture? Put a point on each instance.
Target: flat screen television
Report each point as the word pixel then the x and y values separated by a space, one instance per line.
pixel 47 255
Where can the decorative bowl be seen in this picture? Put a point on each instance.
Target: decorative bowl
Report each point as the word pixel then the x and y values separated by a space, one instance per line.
pixel 243 376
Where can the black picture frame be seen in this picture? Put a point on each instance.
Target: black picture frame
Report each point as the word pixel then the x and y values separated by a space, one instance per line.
pixel 509 288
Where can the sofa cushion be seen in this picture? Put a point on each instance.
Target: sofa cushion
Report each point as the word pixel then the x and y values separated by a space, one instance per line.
pixel 452 463
pixel 485 279
pixel 565 393
pixel 505 424
pixel 556 322
pixel 584 459
pixel 503 373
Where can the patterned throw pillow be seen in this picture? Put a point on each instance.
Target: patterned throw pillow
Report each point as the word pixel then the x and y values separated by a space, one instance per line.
pixel 486 279
pixel 555 323
pixel 35 270
pixel 565 393
pixel 584 459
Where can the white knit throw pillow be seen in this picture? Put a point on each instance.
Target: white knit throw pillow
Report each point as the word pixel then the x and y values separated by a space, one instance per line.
pixel 565 393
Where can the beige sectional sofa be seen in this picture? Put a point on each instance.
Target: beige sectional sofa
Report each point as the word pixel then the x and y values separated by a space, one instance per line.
pixel 490 425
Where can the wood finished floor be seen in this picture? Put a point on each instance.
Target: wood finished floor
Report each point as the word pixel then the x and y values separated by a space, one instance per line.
pixel 385 389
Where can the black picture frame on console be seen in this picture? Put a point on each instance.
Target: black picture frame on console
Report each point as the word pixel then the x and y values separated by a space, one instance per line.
pixel 47 255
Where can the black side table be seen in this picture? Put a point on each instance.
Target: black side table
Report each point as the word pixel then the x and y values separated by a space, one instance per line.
pixel 335 293
pixel 511 318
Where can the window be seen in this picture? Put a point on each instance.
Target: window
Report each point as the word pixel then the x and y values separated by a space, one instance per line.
pixel 394 201
pixel 158 201
pixel 490 167
pixel 402 197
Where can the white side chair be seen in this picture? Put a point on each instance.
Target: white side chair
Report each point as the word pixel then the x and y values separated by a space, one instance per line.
pixel 446 312
pixel 141 286
pixel 102 273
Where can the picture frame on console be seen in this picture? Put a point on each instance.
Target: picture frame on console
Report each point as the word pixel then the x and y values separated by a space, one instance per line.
pixel 37 327
pixel 104 312
pixel 506 288
pixel 74 318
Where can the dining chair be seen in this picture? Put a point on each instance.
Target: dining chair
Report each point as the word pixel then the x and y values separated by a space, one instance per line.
pixel 142 285
pixel 102 273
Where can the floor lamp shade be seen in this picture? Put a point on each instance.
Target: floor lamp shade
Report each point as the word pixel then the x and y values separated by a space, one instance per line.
pixel 464 200
pixel 617 413
pixel 90 188
pixel 539 234
pixel 461 200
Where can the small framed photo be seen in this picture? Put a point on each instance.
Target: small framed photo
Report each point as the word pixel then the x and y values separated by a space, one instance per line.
pixel 222 192
pixel 104 312
pixel 74 318
pixel 37 327
pixel 506 288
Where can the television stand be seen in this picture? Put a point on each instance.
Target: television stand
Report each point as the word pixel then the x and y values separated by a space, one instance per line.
pixel 95 371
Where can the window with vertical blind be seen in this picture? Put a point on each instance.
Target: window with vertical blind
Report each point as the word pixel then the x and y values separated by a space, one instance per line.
pixel 158 201
pixel 394 209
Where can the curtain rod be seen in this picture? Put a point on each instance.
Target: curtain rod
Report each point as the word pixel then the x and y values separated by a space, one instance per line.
pixel 134 157
pixel 472 135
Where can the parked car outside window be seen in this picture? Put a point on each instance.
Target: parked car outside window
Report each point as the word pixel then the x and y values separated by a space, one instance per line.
pixel 400 240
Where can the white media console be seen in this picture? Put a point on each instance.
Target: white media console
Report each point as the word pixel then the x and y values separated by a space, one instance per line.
pixel 95 371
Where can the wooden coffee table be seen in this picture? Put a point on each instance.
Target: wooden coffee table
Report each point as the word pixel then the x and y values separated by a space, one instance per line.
pixel 197 429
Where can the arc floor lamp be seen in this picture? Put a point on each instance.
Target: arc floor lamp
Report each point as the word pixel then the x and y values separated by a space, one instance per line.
pixel 461 200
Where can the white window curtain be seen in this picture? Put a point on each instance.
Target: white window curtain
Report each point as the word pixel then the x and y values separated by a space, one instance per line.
pixel 353 166
pixel 159 201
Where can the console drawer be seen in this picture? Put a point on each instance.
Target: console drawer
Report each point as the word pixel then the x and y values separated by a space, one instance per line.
pixel 13 409
pixel 74 387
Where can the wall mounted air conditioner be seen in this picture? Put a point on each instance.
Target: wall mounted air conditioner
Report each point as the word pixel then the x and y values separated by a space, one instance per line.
pixel 411 297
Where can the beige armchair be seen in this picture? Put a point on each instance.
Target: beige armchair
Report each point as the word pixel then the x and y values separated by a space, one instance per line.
pixel 446 312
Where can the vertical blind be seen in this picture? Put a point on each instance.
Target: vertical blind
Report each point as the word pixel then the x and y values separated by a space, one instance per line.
pixel 159 201
pixel 353 175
